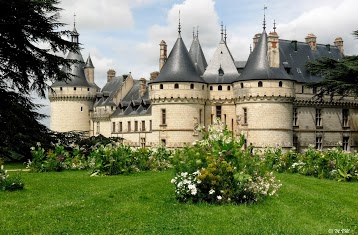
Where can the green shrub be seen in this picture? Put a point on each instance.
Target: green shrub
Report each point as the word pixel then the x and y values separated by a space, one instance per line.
pixel 217 169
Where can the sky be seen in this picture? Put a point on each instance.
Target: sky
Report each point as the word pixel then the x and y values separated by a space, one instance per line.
pixel 125 35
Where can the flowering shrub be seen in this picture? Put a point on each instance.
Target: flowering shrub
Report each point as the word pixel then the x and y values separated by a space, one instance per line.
pixel 10 183
pixel 216 169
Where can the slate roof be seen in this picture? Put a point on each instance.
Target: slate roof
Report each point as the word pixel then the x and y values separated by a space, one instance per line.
pixel 257 66
pixel 222 59
pixel 133 104
pixel 105 97
pixel 296 61
pixel 197 55
pixel 89 63
pixel 78 78
pixel 179 67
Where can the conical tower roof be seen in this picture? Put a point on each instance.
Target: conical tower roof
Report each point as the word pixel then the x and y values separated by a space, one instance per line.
pixel 78 77
pixel 197 55
pixel 89 63
pixel 179 67
pixel 257 66
pixel 221 68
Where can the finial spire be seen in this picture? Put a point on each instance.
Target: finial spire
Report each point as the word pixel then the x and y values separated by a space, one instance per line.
pixel 222 31
pixel 197 31
pixel 74 20
pixel 193 32
pixel 264 24
pixel 179 27
pixel 274 26
pixel 225 37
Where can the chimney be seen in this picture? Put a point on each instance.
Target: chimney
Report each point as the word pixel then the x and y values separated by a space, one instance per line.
pixel 255 39
pixel 328 46
pixel 154 75
pixel 311 40
pixel 338 42
pixel 110 75
pixel 163 54
pixel 294 44
pixel 273 52
pixel 143 87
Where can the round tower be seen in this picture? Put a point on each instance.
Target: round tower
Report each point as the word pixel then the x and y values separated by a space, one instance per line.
pixel 264 100
pixel 72 101
pixel 178 97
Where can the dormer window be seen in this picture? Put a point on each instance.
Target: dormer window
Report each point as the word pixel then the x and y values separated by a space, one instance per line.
pixel 221 71
pixel 259 84
pixel 176 86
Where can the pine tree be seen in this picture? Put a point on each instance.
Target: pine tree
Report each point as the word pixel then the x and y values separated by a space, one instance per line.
pixel 25 66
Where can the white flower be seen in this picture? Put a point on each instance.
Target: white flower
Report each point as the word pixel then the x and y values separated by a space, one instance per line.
pixel 172 181
pixel 219 197
pixel 211 191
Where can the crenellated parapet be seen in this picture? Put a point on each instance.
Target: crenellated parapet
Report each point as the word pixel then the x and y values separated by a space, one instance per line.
pixel 72 94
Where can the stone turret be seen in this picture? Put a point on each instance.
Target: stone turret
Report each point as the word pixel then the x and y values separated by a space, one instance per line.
pixel 89 70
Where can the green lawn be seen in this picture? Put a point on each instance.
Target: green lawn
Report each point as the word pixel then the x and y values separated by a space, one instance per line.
pixel 74 203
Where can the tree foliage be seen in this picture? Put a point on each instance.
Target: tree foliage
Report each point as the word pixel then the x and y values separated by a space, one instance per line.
pixel 30 44
pixel 340 77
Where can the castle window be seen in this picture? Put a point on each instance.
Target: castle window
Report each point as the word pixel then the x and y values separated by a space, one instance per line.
pixel 113 127
pixel 74 88
pixel 314 90
pixel 150 125
pixel 318 117
pixel 259 84
pixel 164 142
pixel 295 141
pixel 161 86
pixel 228 88
pixel 151 87
pixel 242 85
pixel 345 115
pixel 245 115
pixel 295 117
pixel 303 89
pixel 142 142
pixel 218 112
pixel 211 88
pixel 98 128
pixel 88 89
pixel 129 126
pixel 318 142
pixel 120 127
pixel 135 125
pixel 202 87
pixel 280 84
pixel 60 88
pixel 225 119
pixel 164 117
pixel 220 88
pixel 345 143
pixel 191 86
pixel 143 125
pixel 176 86
pixel 81 108
pixel 200 115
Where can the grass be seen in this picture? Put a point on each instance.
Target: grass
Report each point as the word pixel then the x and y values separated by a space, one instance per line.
pixel 71 202
pixel 14 166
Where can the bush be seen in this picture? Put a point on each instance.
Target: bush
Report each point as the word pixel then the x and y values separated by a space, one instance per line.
pixel 10 183
pixel 217 169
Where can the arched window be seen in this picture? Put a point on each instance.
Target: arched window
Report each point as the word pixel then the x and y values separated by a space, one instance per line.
pixel 161 86
pixel 280 84
pixel 211 88
pixel 242 85
pixel 259 84
pixel 220 88
pixel 228 88
pixel 191 86
pixel 176 86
